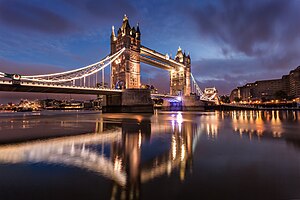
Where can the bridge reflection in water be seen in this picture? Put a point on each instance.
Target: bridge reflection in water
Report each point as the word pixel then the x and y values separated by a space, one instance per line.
pixel 115 151
pixel 131 150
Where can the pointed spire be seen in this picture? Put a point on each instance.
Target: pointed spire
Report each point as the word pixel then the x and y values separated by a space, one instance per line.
pixel 188 55
pixel 138 28
pixel 167 56
pixel 179 55
pixel 133 31
pixel 138 33
pixel 125 26
pixel 125 18
pixel 113 31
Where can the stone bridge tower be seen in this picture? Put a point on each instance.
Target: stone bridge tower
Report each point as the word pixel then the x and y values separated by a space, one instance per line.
pixel 180 77
pixel 125 71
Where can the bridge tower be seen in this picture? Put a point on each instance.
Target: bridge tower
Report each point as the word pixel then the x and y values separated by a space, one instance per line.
pixel 180 77
pixel 125 71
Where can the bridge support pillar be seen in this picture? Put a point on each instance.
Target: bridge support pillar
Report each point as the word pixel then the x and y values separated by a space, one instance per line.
pixel 129 101
pixel 192 103
pixel 188 103
pixel 171 106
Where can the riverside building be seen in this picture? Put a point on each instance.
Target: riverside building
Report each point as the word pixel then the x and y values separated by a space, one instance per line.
pixel 267 89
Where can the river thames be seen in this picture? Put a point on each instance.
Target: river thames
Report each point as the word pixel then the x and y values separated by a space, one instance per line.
pixel 167 155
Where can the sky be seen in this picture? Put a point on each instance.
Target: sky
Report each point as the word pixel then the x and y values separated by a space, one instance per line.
pixel 230 42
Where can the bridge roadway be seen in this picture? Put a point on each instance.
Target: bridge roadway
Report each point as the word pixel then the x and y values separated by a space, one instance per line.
pixel 25 86
pixel 37 87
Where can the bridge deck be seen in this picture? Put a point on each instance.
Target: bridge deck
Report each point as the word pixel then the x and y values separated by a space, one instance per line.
pixel 53 88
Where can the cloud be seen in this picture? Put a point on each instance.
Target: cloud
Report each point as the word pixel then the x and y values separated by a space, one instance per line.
pixel 103 11
pixel 19 14
pixel 8 66
pixel 256 39
pixel 243 24
pixel 106 8
pixel 228 73
pixel 159 78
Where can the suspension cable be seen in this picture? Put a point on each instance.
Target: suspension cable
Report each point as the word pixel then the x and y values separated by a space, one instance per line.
pixel 200 93
pixel 114 56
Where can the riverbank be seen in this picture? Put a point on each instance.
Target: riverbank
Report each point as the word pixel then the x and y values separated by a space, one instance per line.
pixel 47 113
pixel 252 107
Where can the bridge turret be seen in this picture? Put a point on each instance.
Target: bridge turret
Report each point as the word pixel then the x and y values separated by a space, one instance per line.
pixel 125 26
pixel 113 36
pixel 187 63
pixel 180 77
pixel 133 31
pixel 113 40
pixel 125 72
pixel 188 58
pixel 138 33
pixel 179 55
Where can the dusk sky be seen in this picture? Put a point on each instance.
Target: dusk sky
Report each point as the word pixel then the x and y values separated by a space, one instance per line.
pixel 231 42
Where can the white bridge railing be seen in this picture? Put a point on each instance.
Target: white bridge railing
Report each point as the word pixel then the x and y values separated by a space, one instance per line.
pixel 77 73
pixel 71 75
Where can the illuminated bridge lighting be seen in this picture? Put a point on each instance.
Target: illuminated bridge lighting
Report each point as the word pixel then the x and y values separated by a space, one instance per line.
pixel 87 76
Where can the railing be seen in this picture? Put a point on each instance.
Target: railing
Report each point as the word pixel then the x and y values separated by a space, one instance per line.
pixel 71 75
pixel 38 84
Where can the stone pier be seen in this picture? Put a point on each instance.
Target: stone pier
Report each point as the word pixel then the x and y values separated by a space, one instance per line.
pixel 129 101
pixel 188 103
pixel 192 103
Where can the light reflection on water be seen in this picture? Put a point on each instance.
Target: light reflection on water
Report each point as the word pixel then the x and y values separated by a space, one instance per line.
pixel 131 152
pixel 262 122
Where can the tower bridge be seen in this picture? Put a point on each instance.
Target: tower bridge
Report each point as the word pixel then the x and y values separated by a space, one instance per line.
pixel 124 92
pixel 127 68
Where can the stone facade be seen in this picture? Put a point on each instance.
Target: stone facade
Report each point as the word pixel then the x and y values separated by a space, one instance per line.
pixel 125 72
pixel 180 77
pixel 130 100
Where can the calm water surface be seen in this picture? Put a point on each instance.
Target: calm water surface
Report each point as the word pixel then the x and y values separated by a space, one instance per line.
pixel 168 155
